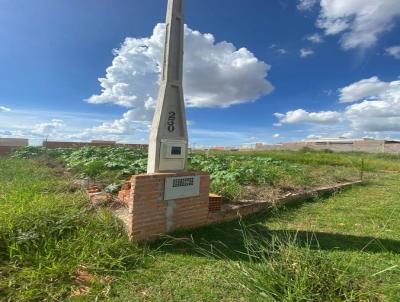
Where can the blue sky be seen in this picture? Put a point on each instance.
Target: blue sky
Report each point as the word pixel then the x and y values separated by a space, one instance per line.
pixel 293 69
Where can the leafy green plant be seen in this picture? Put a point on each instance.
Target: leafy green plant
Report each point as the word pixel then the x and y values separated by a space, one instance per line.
pixel 114 187
pixel 229 172
pixel 93 169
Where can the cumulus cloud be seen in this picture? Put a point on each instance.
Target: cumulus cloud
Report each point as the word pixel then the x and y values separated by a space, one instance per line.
pixel 377 112
pixel 315 38
pixel 49 128
pixel 305 52
pixel 215 74
pixel 276 135
pixel 393 51
pixel 371 87
pixel 117 129
pixel 302 116
pixel 382 114
pixel 306 5
pixel 4 109
pixel 359 21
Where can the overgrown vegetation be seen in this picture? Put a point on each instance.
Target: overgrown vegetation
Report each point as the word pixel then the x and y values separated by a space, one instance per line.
pixel 280 269
pixel 230 173
pixel 373 162
pixel 47 235
pixel 342 248
pixel 286 267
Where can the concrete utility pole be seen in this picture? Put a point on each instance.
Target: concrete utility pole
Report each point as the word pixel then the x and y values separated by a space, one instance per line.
pixel 168 137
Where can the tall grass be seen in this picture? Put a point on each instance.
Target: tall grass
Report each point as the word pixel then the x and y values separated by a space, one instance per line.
pixel 47 234
pixel 286 268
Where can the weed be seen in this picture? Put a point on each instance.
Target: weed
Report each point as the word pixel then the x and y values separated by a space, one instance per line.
pixel 286 268
pixel 45 235
pixel 280 268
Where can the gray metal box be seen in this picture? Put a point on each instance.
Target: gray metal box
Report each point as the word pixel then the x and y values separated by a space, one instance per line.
pixel 181 187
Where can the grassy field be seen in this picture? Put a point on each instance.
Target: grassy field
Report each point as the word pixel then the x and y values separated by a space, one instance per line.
pixel 341 248
pixel 235 175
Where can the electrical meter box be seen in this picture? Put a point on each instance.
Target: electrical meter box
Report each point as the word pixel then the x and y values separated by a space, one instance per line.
pixel 173 155
pixel 181 187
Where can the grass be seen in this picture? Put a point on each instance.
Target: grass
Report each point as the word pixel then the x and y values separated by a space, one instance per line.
pixel 46 235
pixel 229 172
pixel 373 162
pixel 341 248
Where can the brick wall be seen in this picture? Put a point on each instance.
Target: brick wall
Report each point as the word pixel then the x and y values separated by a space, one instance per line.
pixel 150 215
pixel 5 151
pixel 369 146
pixel 55 145
pixel 13 142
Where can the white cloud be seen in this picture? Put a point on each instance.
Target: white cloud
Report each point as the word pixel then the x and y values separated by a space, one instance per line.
pixel 114 130
pixel 281 51
pixel 371 117
pixel 371 87
pixel 4 109
pixel 277 135
pixel 215 74
pixel 45 129
pixel 314 136
pixel 5 133
pixel 382 114
pixel 305 5
pixel 275 47
pixel 305 52
pixel 302 116
pixel 393 51
pixel 359 21
pixel 315 38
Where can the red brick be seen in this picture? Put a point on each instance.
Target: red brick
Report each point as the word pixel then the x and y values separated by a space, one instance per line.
pixel 149 210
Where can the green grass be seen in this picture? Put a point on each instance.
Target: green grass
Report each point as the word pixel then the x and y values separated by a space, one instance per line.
pixel 344 247
pixel 373 162
pixel 229 172
pixel 46 234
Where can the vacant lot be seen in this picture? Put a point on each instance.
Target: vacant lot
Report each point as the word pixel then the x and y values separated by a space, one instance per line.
pixel 342 248
pixel 235 175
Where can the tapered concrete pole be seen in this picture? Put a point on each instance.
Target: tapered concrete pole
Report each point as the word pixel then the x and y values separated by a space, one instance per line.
pixel 168 136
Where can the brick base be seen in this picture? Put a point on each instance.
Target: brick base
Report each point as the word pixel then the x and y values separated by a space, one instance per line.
pixel 215 203
pixel 150 215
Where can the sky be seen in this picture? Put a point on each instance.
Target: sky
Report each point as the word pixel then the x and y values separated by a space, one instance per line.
pixel 254 70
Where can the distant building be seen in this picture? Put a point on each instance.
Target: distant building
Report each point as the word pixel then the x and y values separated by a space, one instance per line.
pixel 262 146
pixel 9 145
pixel 218 148
pixel 345 145
pixel 14 142
pixel 103 142
pixel 94 143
